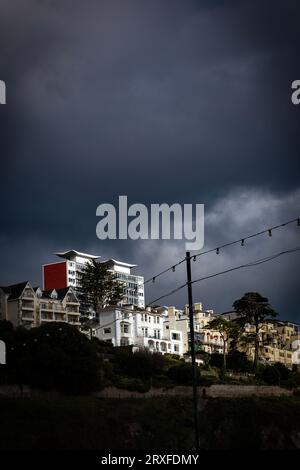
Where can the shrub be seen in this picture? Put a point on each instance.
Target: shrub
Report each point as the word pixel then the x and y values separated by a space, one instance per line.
pixel 270 375
pixel 56 356
pixel 182 374
pixel 139 364
pixel 133 385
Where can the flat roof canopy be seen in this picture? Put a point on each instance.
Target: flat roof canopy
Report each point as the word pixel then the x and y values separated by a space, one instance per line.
pixel 118 263
pixel 71 253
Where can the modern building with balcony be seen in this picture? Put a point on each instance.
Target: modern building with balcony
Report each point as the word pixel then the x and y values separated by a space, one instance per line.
pixel 68 273
pixel 133 284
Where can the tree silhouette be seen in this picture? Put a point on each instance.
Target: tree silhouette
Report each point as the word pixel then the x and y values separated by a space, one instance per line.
pixel 254 309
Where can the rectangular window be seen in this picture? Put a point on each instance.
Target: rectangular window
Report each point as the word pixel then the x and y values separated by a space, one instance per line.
pixel 124 328
pixel 107 331
pixel 176 336
pixel 145 331
pixel 157 334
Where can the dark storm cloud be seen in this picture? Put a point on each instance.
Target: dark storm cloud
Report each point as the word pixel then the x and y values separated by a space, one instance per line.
pixel 161 100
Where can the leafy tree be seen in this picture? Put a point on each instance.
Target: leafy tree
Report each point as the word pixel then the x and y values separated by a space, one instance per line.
pixel 255 309
pixel 227 329
pixel 99 287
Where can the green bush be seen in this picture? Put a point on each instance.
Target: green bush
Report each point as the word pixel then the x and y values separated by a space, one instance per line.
pixel 182 374
pixel 55 357
pixel 207 380
pixel 161 381
pixel 236 361
pixel 141 364
pixel 270 375
pixel 133 385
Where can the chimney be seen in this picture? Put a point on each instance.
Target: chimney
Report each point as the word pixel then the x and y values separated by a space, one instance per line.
pixel 172 317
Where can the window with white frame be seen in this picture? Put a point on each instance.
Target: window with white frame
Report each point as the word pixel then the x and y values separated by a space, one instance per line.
pixel 125 328
pixel 145 331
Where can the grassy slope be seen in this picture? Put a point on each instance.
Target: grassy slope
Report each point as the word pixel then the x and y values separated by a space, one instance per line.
pixel 89 423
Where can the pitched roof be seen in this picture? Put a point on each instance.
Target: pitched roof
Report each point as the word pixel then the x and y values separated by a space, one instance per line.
pixel 14 290
pixel 61 293
pixel 47 293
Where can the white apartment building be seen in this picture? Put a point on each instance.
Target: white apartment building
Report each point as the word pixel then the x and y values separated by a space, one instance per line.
pixel 134 285
pixel 68 272
pixel 295 348
pixel 206 339
pixel 23 305
pixel 142 328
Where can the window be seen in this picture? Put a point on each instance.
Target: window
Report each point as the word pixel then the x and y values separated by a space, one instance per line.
pixel 176 336
pixel 176 348
pixel 125 328
pixel 157 334
pixel 145 331
pixel 124 342
pixel 149 319
pixel 107 331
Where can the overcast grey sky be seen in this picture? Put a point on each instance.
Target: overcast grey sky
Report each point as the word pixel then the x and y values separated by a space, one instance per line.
pixel 163 101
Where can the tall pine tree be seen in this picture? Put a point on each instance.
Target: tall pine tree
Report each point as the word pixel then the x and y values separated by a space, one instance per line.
pixel 99 287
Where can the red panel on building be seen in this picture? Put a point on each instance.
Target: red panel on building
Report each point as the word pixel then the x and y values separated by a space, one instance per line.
pixel 55 276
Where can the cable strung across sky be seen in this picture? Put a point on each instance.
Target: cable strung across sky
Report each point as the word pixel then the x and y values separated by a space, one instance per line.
pixel 235 268
pixel 217 249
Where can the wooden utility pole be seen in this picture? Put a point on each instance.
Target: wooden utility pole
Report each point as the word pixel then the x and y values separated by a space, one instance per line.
pixel 192 340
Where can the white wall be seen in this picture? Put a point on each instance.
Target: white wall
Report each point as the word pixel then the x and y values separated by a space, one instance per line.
pixel 2 352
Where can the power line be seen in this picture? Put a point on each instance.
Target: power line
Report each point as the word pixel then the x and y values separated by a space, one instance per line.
pixel 217 249
pixel 250 264
pixel 247 265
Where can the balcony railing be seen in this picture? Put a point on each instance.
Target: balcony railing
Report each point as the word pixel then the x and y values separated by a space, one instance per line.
pixel 71 310
pixel 27 307
pixel 43 318
pixel 27 316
